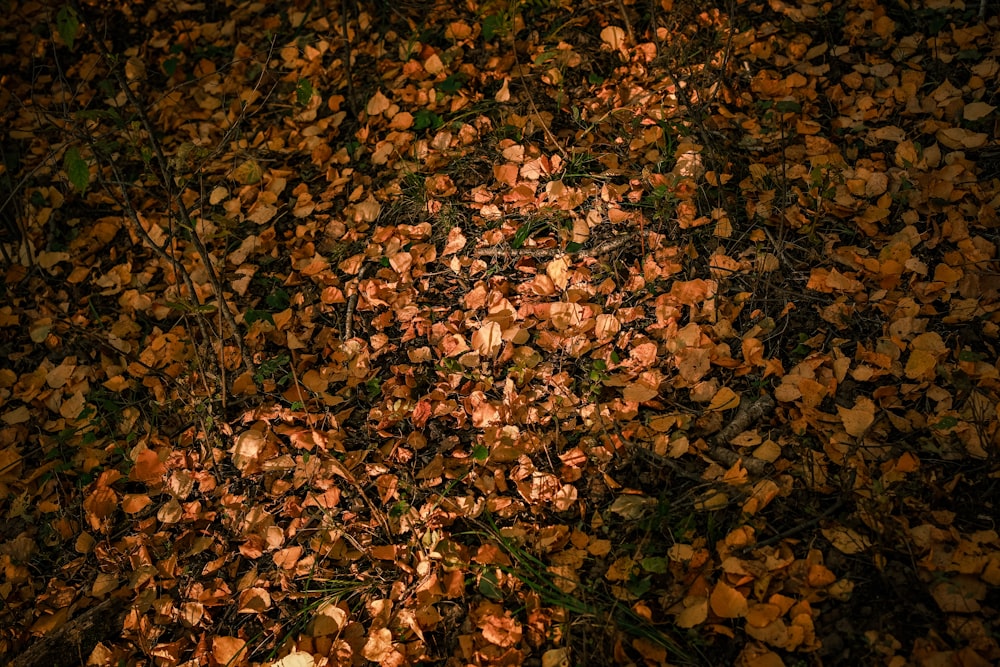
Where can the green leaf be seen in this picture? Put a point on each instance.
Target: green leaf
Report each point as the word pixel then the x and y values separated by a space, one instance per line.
pixel 453 83
pixel 489 586
pixel 76 169
pixel 278 300
pixel 545 57
pixel 639 587
pixel 654 564
pixel 521 235
pixel 67 24
pixel 304 91
pixel 493 25
pixel 252 316
pixel 425 118
pixel 946 423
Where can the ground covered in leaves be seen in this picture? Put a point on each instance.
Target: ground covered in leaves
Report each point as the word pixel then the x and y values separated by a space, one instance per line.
pixel 496 333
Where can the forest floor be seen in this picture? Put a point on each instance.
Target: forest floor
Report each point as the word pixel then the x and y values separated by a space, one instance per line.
pixel 532 332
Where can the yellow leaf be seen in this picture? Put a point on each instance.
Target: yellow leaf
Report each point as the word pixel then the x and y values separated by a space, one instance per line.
pixel 247 173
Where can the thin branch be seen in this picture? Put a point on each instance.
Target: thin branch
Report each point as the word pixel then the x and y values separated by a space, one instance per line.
pixel 165 175
pixel 352 304
pixel 747 416
pixel 600 249
pixel 527 89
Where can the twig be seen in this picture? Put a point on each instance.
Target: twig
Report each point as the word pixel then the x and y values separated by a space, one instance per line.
pixel 352 304
pixel 165 176
pixel 531 98
pixel 798 528
pixel 628 24
pixel 747 416
pixel 598 250
pixel 348 50
pixel 71 643
pixel 140 231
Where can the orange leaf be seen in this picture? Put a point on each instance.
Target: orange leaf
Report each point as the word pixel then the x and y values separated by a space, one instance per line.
pixel 614 37
pixel 639 393
pixel 728 602
pixel 488 340
pixel 762 615
pixel 228 650
pixel 856 420
pixel 820 576
pixel 254 600
pixel 296 659
pixel 148 468
pixel 694 614
pixel 379 645
pixel 921 365
pixel 329 619
pixel 724 399
pixel 557 657
pixel 133 503
pixel 456 241
pixel 377 104
pixel 501 630
pixel 846 540
pixel 959 595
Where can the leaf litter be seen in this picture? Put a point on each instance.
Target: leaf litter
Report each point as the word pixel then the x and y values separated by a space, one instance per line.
pixel 500 334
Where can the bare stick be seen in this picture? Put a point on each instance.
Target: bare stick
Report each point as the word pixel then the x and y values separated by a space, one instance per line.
pixel 348 51
pixel 352 304
pixel 531 98
pixel 747 416
pixel 72 642
pixel 598 250
pixel 165 176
